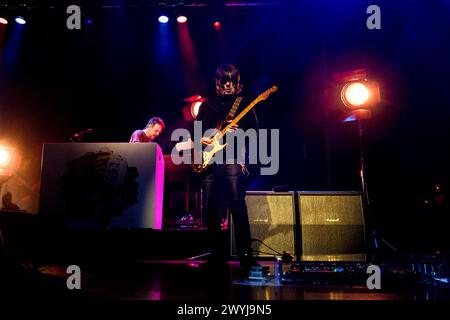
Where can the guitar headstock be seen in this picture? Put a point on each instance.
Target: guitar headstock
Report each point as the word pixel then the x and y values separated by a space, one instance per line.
pixel 267 93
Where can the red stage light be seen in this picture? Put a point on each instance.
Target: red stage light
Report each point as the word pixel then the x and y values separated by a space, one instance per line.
pixel 181 19
pixel 217 25
pixel 3 21
pixel 195 108
pixel 190 111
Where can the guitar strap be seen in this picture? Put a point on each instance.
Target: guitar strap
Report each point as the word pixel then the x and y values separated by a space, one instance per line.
pixel 233 109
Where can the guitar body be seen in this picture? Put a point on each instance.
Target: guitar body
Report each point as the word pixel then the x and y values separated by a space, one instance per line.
pixel 216 146
pixel 208 153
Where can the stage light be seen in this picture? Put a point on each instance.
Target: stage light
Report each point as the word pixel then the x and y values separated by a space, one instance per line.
pixel 360 95
pixel 20 20
pixel 357 92
pixel 163 19
pixel 363 94
pixel 217 25
pixel 195 108
pixel 181 19
pixel 10 161
pixel 3 21
pixel 5 157
pixel 354 94
pixel 190 111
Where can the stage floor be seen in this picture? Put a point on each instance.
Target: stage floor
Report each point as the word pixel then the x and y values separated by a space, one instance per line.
pixel 153 265
pixel 178 280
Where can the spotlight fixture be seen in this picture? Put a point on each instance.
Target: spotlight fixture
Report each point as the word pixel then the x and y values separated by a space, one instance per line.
pixel 190 111
pixel 163 19
pixel 10 161
pixel 182 19
pixel 3 21
pixel 217 25
pixel 5 157
pixel 361 94
pixel 20 20
pixel 358 94
pixel 195 108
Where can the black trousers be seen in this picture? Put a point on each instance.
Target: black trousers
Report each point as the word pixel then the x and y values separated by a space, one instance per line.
pixel 229 179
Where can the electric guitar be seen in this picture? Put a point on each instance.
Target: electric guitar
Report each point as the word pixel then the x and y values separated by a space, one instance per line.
pixel 215 146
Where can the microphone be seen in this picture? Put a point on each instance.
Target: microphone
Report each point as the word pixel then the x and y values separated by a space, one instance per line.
pixel 82 133
pixel 79 136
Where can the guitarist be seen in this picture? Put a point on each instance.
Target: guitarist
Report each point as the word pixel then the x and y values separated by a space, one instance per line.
pixel 230 176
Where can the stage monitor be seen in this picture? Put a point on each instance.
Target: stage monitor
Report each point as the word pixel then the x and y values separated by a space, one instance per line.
pixel 102 185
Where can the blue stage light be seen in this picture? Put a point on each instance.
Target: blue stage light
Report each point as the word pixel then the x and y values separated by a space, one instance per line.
pixel 20 20
pixel 163 19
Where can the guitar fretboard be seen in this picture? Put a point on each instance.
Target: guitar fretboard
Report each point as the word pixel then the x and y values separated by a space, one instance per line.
pixel 262 96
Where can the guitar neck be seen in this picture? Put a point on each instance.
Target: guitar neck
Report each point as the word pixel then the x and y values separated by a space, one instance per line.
pixel 239 117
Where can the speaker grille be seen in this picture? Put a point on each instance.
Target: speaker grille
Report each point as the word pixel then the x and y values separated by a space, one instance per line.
pixel 272 223
pixel 331 226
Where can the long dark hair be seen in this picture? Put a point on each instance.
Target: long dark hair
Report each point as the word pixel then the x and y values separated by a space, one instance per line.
pixel 230 72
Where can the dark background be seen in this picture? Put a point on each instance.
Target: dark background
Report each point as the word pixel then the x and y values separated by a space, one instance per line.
pixel 116 73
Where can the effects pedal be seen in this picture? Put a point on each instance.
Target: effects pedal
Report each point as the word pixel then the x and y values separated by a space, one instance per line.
pixel 259 273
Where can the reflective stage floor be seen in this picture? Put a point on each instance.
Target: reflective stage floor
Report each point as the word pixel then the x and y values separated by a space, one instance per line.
pixel 143 265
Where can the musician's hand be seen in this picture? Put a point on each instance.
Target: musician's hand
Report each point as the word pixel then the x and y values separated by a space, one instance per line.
pixel 232 128
pixel 206 141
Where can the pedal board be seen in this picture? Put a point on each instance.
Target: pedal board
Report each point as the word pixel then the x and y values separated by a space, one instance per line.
pixel 326 273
